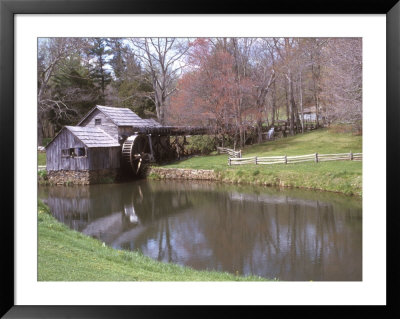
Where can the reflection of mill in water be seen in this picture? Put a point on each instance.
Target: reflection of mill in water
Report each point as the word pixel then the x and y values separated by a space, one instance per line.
pixel 268 233
pixel 131 214
pixel 149 220
pixel 121 219
pixel 129 210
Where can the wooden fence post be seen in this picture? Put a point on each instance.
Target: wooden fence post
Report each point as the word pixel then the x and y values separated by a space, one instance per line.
pixel 285 159
pixel 255 159
pixel 240 153
pixel 351 155
pixel 316 157
pixel 229 161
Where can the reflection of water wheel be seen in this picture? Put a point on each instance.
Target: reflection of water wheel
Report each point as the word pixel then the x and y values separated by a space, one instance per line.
pixel 136 151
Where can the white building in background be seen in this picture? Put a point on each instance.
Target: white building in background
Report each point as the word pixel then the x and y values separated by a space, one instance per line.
pixel 310 114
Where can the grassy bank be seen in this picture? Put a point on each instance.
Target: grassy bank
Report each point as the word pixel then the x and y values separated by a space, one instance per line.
pixel 41 158
pixel 338 176
pixel 42 155
pixel 66 255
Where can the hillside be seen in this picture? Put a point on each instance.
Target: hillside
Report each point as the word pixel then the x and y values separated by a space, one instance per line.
pixel 337 176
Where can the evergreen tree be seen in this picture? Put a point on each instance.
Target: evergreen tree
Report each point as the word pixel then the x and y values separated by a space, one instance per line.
pixel 118 61
pixel 131 85
pixel 99 54
pixel 72 85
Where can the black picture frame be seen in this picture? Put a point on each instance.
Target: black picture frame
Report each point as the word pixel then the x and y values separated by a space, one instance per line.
pixel 8 8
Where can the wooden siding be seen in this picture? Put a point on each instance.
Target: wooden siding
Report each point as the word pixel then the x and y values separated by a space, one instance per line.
pixel 103 158
pixel 65 140
pixel 107 125
pixel 97 158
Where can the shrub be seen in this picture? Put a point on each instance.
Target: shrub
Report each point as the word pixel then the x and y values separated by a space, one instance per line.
pixel 42 174
pixel 203 144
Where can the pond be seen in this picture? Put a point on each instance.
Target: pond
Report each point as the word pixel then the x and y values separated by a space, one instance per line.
pixel 291 235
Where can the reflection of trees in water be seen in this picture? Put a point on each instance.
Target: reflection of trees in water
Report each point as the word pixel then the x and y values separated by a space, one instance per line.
pixel 288 241
pixel 164 229
pixel 195 225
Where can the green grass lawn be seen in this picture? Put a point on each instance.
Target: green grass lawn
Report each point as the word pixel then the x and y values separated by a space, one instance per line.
pixel 338 176
pixel 41 158
pixel 67 255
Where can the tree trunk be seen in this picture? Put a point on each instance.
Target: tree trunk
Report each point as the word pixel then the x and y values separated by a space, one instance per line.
pixel 273 103
pixel 315 77
pixel 317 109
pixel 159 101
pixel 295 112
pixel 287 104
pixel 259 131
pixel 290 98
pixel 162 114
pixel 301 105
pixel 241 136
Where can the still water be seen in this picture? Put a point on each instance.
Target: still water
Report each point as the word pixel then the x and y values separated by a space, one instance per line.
pixel 291 235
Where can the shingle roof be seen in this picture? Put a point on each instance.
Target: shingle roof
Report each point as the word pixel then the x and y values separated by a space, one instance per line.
pixel 92 137
pixel 125 117
pixel 154 122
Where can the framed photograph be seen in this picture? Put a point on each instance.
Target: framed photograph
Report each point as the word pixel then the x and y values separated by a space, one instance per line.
pixel 322 250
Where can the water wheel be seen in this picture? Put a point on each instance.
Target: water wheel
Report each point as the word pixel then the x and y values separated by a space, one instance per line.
pixel 137 151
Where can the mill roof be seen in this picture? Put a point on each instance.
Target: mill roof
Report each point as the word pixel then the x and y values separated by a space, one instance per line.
pixel 123 117
pixel 90 136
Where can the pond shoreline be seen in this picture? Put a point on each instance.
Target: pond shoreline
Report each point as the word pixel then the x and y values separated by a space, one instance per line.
pixel 161 173
pixel 81 253
pixel 187 220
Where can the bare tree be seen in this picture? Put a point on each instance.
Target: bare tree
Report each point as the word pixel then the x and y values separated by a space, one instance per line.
pixel 51 53
pixel 342 85
pixel 264 77
pixel 162 58
pixel 312 49
pixel 241 51
pixel 286 49
pixel 301 65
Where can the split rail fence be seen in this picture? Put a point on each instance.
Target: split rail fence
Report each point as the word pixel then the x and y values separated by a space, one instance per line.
pixel 294 159
pixel 232 153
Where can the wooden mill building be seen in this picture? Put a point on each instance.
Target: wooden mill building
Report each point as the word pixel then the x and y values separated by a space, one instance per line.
pixel 91 152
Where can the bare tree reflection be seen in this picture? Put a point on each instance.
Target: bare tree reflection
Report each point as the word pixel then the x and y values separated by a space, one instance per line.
pixel 288 235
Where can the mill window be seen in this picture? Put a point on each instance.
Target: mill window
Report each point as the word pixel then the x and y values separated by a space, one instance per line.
pixel 97 121
pixel 81 151
pixel 73 152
